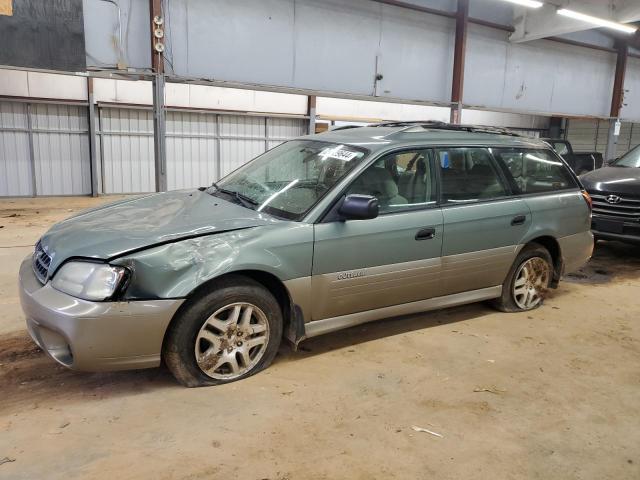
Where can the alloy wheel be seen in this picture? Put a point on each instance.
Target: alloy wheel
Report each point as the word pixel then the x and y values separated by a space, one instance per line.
pixel 232 341
pixel 531 283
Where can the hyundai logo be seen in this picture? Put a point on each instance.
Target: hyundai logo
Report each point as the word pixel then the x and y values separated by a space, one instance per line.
pixel 613 199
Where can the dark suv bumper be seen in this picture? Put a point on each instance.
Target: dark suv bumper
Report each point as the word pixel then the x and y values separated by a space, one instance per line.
pixel 612 228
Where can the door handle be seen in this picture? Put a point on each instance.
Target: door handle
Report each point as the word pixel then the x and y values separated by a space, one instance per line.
pixel 518 220
pixel 426 233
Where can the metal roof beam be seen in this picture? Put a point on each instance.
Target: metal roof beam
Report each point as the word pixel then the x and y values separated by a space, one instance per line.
pixel 544 22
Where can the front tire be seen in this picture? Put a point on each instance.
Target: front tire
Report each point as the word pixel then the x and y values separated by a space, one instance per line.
pixel 227 334
pixel 528 280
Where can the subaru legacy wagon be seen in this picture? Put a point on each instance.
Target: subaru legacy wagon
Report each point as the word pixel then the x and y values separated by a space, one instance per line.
pixel 318 234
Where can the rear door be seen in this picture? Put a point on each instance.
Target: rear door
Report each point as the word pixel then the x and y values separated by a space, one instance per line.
pixel 393 259
pixel 483 222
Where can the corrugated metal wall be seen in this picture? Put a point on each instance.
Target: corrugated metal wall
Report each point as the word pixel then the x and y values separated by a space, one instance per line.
pixel 44 149
pixel 591 135
pixel 61 149
pixel 126 150
pixel 201 146
pixel 15 159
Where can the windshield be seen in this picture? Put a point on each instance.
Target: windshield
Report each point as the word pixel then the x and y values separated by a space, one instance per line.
pixel 289 179
pixel 629 159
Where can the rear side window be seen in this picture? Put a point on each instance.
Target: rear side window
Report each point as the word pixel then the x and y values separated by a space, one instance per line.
pixel 468 175
pixel 535 171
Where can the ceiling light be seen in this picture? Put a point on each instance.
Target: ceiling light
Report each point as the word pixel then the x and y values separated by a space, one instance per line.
pixel 596 21
pixel 526 3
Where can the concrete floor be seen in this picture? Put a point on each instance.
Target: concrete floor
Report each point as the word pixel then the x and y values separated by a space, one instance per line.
pixel 553 393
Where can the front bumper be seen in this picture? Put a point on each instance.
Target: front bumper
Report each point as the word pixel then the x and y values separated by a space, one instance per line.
pixel 624 231
pixel 94 336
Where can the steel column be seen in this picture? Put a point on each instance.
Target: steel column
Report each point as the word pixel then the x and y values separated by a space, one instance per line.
pixel 159 110
pixel 617 99
pixel 618 85
pixel 457 84
pixel 311 113
pixel 93 152
pixel 159 133
pixel 32 154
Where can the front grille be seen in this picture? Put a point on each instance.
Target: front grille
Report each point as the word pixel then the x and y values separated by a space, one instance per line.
pixel 41 263
pixel 627 208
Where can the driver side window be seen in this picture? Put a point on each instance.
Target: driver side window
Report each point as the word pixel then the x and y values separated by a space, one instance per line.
pixel 400 181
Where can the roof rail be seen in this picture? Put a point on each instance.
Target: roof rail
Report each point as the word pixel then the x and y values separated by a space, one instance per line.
pixel 437 125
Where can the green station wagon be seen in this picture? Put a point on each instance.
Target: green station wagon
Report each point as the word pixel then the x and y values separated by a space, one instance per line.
pixel 318 234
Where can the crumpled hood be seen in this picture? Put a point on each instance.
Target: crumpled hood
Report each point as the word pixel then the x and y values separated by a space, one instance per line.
pixel 114 229
pixel 618 180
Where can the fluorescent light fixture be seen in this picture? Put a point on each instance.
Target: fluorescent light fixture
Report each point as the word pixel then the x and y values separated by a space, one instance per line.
pixel 596 21
pixel 526 3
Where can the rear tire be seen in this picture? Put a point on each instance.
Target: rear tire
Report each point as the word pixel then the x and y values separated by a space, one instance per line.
pixel 528 280
pixel 224 335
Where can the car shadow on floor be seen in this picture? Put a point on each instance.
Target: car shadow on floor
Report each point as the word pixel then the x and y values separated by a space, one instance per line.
pixel 388 327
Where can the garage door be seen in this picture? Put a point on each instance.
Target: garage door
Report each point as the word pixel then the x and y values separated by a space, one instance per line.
pixel 44 150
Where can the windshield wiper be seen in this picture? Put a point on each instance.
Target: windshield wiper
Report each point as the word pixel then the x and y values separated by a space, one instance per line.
pixel 245 201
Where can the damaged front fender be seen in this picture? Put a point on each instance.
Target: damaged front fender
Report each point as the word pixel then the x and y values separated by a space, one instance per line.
pixel 176 269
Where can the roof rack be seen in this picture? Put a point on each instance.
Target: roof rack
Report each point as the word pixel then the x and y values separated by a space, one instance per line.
pixel 436 125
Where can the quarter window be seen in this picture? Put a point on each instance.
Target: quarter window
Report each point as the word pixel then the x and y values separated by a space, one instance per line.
pixel 535 171
pixel 468 175
pixel 400 181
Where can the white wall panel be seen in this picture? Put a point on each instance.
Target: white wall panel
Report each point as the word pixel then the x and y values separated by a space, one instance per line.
pixel 14 83
pixel 62 87
pixel 42 85
pixel 631 103
pixel 415 55
pixel 199 96
pixel 537 76
pixel 15 163
pixel 341 108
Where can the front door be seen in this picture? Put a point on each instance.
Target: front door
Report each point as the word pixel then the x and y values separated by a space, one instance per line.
pixel 483 223
pixel 363 265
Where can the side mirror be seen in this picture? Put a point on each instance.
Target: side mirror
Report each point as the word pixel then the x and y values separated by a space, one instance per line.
pixel 359 207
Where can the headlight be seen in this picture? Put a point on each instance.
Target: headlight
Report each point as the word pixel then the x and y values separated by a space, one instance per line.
pixel 87 280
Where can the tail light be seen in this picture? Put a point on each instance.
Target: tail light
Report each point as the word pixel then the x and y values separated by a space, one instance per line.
pixel 587 198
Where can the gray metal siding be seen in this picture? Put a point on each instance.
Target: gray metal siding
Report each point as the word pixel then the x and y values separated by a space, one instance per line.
pixel 126 145
pixel 61 149
pixel 45 146
pixel 591 135
pixel 194 141
pixel 15 163
pixel 192 156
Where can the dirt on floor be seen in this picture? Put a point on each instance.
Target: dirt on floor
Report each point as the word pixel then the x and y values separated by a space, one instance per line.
pixel 548 394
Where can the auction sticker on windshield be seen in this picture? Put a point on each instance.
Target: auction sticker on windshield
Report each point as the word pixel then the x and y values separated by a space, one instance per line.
pixel 338 153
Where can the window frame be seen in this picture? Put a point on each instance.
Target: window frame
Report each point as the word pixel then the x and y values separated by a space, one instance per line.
pixel 331 214
pixel 502 178
pixel 514 186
